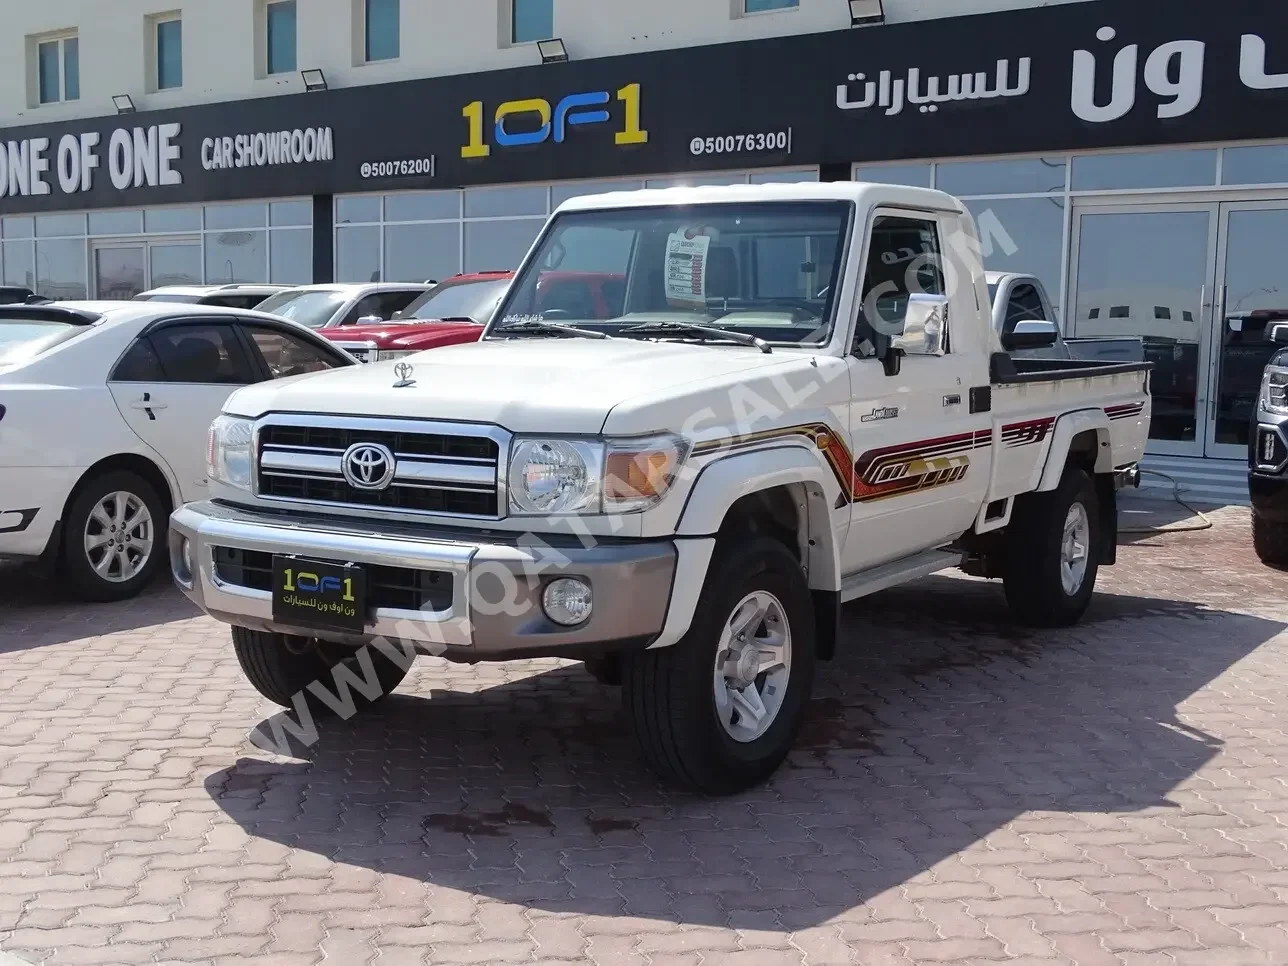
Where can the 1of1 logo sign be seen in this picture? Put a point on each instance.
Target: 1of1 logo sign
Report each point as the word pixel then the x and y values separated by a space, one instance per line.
pixel 574 109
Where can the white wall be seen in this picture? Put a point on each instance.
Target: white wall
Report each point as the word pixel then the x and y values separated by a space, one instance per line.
pixel 439 37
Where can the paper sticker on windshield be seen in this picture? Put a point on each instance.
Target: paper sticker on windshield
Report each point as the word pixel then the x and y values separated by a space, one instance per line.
pixel 686 268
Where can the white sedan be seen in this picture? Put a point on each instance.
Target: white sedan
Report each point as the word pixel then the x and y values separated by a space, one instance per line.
pixel 105 408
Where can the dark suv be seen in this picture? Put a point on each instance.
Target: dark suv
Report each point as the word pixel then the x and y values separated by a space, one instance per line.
pixel 1268 452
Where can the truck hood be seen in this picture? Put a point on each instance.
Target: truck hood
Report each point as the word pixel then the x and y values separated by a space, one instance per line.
pixel 524 385
pixel 406 335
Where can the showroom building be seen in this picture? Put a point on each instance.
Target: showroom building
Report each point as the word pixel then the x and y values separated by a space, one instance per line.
pixel 1137 164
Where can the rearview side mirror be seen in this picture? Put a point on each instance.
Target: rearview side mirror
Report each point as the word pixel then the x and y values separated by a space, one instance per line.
pixel 1031 334
pixel 924 326
pixel 370 320
pixel 1279 333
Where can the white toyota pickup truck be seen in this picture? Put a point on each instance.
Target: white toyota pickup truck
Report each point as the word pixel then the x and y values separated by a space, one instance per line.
pixel 803 401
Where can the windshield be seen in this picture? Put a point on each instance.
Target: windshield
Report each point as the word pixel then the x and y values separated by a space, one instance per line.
pixel 768 269
pixel 313 308
pixel 464 300
pixel 168 297
pixel 23 339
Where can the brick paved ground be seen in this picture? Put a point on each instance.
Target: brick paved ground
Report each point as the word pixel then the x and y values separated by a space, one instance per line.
pixel 966 792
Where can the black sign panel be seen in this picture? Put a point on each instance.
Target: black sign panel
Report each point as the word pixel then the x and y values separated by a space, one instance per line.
pixel 1074 76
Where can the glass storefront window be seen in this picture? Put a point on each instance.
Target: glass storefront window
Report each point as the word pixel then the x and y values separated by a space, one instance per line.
pixel 1259 164
pixel 423 206
pixel 417 253
pixel 696 180
pixel 357 254
pixel 291 257
pixel 505 202
pixel 236 256
pixel 495 245
pixel 1023 235
pixel 59 226
pixel 176 265
pixel 60 268
pixel 115 222
pixel 913 174
pixel 1145 169
pixel 1008 176
pixel 356 209
pixel 18 226
pixel 784 177
pixel 290 213
pixel 236 216
pixel 19 264
pixel 172 219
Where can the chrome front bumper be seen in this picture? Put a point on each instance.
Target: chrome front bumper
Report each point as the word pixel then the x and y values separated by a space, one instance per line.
pixel 495 610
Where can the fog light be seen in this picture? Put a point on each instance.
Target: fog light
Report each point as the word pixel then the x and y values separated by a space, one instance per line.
pixel 568 601
pixel 185 552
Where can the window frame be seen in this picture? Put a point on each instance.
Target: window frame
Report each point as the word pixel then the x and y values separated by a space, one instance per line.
pixel 741 10
pixel 366 33
pixel 1012 318
pixel 157 23
pixel 269 69
pixel 58 40
pixel 863 328
pixel 236 338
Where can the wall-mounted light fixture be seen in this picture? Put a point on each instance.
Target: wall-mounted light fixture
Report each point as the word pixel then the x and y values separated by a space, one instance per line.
pixel 552 51
pixel 314 79
pixel 123 103
pixel 864 12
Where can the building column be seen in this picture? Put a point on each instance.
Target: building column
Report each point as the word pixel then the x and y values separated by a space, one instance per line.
pixel 323 238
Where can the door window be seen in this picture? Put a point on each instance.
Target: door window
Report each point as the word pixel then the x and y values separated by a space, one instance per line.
pixel 139 364
pixel 1024 305
pixel 905 258
pixel 367 305
pixel 202 354
pixel 391 302
pixel 285 354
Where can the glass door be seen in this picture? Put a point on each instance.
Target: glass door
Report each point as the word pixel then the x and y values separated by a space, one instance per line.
pixel 123 270
pixel 120 271
pixel 1252 292
pixel 1149 270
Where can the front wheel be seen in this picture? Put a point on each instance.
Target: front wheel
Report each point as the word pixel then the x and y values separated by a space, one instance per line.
pixel 1270 540
pixel 718 712
pixel 1052 557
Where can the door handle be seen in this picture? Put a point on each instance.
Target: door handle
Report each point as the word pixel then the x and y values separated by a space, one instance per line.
pixel 147 405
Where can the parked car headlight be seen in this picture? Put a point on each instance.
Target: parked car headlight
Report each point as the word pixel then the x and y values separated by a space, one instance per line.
pixel 561 476
pixel 1274 391
pixel 228 455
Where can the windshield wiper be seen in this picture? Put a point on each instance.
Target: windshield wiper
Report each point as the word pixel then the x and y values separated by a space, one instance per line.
pixel 538 327
pixel 693 328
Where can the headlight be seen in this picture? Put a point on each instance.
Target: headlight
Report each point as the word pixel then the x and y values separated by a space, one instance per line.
pixel 228 455
pixel 554 476
pixel 385 355
pixel 1274 391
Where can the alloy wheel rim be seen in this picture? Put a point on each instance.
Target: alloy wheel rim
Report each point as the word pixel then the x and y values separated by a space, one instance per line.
pixel 752 667
pixel 119 537
pixel 1075 546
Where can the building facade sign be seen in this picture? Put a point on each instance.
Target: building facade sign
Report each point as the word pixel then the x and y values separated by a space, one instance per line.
pixel 1076 76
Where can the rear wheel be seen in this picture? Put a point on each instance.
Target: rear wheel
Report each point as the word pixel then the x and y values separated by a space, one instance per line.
pixel 1052 553
pixel 1270 540
pixel 718 712
pixel 113 537
pixel 280 666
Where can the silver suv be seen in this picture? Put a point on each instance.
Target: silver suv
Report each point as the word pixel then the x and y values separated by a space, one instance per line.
pixel 235 296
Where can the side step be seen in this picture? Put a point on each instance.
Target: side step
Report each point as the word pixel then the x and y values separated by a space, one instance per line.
pixel 898 572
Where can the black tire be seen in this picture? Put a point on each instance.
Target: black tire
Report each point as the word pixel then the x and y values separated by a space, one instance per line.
pixel 77 569
pixel 1270 540
pixel 1034 586
pixel 280 666
pixel 668 693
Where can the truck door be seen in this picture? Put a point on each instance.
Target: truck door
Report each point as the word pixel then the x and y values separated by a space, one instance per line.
pixel 921 442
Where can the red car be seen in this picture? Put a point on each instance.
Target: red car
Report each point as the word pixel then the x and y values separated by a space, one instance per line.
pixel 456 310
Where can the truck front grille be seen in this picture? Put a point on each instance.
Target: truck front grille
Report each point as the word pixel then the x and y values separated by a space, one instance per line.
pixel 435 473
pixel 388 588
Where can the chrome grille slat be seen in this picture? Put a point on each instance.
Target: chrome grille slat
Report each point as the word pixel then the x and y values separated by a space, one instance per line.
pixel 440 469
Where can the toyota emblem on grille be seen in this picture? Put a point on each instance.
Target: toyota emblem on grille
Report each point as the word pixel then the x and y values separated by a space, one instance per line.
pixel 368 466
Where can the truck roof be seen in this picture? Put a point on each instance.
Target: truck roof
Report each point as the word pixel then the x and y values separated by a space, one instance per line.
pixel 860 192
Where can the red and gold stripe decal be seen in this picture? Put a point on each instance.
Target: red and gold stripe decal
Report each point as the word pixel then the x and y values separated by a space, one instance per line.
pixel 912 467
pixel 1026 433
pixel 1125 411
pixel 829 443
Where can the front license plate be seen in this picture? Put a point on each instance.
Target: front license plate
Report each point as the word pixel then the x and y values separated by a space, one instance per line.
pixel 319 594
